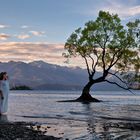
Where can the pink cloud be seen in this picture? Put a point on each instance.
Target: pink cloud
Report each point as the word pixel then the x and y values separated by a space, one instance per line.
pixel 29 51
pixel 4 36
pixel 23 36
pixel 37 33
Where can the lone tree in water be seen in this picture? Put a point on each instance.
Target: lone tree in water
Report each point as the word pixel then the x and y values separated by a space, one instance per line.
pixel 107 46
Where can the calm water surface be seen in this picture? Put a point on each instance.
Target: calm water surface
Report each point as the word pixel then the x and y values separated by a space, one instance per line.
pixel 78 121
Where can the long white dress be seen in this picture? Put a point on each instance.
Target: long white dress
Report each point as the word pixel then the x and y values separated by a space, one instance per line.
pixel 0 104
pixel 4 86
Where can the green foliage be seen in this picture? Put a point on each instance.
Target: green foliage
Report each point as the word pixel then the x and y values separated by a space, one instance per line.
pixel 133 80
pixel 107 44
pixel 21 88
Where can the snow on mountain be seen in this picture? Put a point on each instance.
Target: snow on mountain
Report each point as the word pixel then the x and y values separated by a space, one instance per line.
pixel 41 75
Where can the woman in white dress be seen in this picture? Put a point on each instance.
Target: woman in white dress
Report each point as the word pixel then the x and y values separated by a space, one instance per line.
pixel 4 87
pixel 1 98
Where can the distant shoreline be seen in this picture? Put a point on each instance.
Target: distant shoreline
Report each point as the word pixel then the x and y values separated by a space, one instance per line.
pixel 21 88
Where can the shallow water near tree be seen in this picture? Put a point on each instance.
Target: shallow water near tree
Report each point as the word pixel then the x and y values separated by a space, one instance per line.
pixel 117 117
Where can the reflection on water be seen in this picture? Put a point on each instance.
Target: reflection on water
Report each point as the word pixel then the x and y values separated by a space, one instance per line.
pixel 118 117
pixel 109 128
pixel 3 118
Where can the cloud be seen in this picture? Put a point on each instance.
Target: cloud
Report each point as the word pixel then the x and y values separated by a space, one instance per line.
pixel 37 33
pixel 29 34
pixel 134 10
pixel 23 36
pixel 24 26
pixel 2 26
pixel 4 36
pixel 29 51
pixel 125 9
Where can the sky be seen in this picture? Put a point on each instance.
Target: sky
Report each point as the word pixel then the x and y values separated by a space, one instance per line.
pixel 32 30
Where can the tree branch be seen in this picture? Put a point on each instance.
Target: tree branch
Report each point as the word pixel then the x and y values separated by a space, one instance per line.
pixel 103 58
pixel 88 69
pixel 113 58
pixel 114 62
pixel 94 68
pixel 114 83
pixel 118 78
pixel 92 61
pixel 104 46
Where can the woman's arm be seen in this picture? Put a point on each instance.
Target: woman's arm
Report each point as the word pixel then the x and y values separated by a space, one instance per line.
pixel 1 94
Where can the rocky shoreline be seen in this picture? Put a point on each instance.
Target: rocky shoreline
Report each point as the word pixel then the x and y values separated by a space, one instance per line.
pixel 23 131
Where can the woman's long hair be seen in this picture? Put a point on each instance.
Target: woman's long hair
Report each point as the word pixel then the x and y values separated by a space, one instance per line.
pixel 2 74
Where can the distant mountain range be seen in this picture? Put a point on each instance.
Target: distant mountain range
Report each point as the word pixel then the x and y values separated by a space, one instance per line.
pixel 41 75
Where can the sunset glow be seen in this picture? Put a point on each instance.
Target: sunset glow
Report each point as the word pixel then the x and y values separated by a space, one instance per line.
pixel 38 30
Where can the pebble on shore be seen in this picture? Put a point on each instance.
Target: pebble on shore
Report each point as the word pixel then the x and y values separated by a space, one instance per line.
pixel 22 131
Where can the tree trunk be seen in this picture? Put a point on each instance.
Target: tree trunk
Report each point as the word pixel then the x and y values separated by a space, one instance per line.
pixel 85 96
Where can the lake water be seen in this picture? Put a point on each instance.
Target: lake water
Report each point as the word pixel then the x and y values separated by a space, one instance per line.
pixel 75 120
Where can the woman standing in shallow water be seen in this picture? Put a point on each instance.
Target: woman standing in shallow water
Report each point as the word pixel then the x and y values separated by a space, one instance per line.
pixel 4 87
